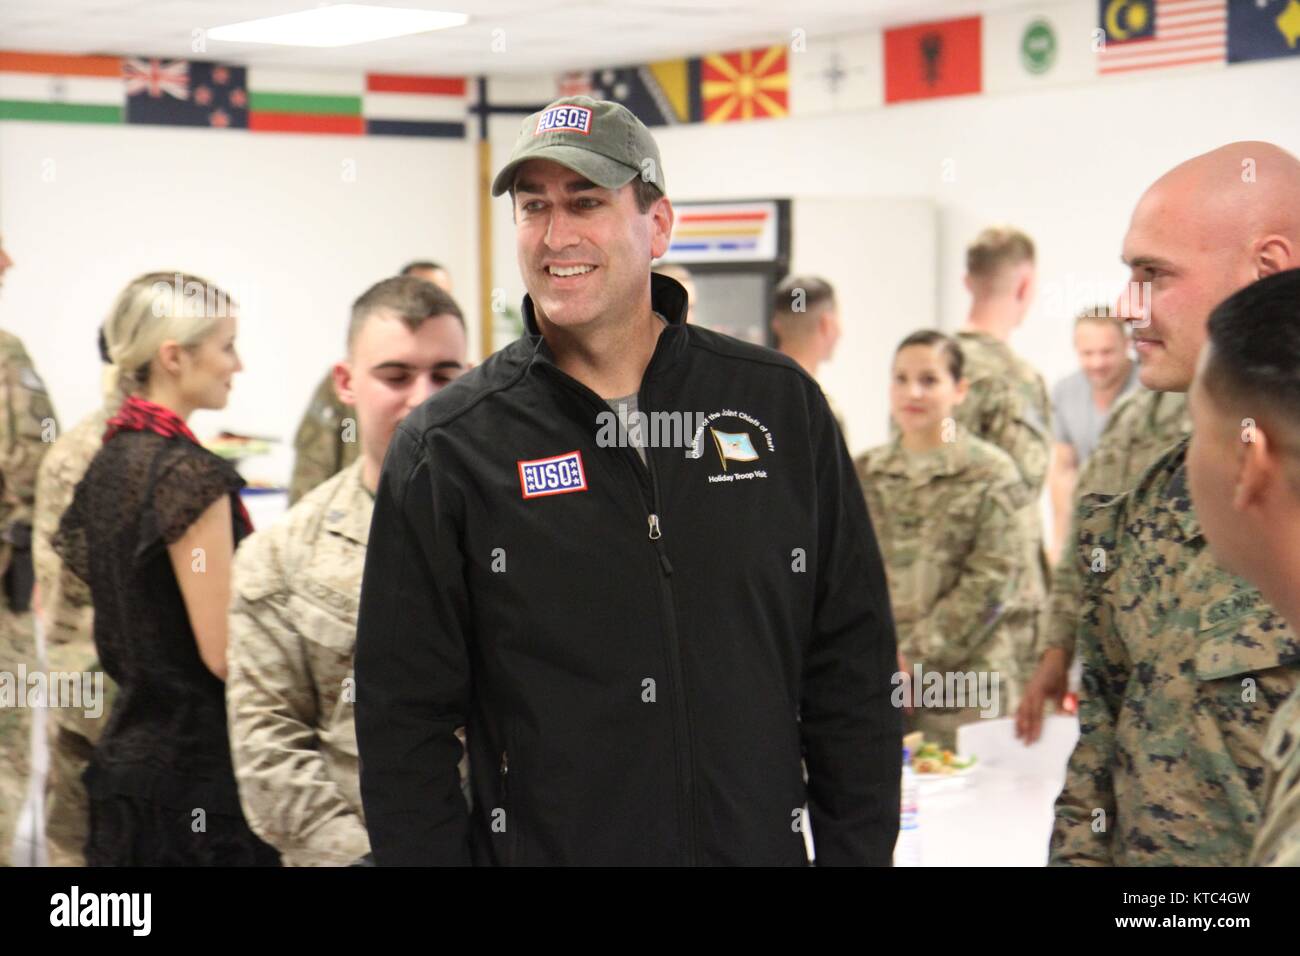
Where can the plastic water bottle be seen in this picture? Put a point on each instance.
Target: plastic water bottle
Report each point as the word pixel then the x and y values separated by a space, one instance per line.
pixel 907 851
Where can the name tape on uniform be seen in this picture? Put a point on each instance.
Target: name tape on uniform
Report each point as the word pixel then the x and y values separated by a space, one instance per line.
pixel 559 475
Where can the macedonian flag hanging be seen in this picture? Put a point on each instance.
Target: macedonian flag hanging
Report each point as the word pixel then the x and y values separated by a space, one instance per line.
pixel 745 85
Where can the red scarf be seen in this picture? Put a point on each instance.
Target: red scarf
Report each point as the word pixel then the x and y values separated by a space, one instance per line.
pixel 140 415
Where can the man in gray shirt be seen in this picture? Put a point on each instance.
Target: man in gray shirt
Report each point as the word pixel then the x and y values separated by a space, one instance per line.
pixel 1082 402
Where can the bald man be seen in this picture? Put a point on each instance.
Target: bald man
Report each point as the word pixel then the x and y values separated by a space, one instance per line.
pixel 1184 664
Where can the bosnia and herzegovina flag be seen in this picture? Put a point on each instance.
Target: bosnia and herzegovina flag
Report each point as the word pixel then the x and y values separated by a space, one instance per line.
pixel 658 94
pixel 734 446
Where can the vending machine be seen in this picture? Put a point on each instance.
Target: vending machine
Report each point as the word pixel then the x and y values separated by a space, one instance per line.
pixel 737 252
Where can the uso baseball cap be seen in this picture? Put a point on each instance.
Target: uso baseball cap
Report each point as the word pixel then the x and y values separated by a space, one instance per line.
pixel 597 139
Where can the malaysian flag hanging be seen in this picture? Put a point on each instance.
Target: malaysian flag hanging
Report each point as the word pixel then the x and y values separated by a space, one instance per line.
pixel 186 93
pixel 1158 34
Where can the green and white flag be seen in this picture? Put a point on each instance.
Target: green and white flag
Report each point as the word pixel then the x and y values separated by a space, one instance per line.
pixel 1041 45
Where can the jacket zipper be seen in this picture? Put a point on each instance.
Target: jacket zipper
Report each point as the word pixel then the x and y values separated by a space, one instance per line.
pixel 683 754
pixel 512 825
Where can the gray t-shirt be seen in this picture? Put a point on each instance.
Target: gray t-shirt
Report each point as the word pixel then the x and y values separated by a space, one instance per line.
pixel 1079 422
pixel 625 408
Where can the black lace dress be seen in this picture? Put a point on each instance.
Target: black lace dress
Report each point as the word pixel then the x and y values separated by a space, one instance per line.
pixel 161 786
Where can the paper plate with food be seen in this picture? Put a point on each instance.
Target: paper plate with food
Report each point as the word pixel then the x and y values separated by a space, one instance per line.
pixel 933 762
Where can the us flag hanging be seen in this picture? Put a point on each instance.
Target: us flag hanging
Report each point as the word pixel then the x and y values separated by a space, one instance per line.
pixel 186 93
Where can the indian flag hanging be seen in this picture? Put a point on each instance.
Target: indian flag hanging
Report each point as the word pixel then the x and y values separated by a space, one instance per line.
pixel 60 88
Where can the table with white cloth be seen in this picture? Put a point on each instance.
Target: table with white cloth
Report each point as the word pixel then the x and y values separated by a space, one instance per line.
pixel 1001 812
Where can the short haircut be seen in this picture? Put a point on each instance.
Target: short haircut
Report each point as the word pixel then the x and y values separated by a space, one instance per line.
pixel 947 345
pixel 422 265
pixel 798 303
pixel 1254 358
pixel 1102 315
pixel 644 191
pixel 405 297
pixel 995 249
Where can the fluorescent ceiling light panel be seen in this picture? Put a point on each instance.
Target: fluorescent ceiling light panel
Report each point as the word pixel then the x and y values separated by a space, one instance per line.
pixel 345 24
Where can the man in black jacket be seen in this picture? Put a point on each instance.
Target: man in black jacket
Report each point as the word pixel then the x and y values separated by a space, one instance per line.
pixel 648 628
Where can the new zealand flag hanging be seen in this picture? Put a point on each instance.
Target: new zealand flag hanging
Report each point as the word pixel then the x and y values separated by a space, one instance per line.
pixel 186 93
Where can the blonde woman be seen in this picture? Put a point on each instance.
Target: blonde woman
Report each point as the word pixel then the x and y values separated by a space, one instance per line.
pixel 152 529
pixel 948 510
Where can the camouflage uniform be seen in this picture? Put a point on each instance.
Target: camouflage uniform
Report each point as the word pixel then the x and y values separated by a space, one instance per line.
pixel 1141 426
pixel 1278 843
pixel 26 419
pixel 289 692
pixel 952 536
pixel 1008 405
pixel 1184 665
pixel 318 446
pixel 69 643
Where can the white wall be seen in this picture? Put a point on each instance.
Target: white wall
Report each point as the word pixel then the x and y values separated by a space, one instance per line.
pixel 878 305
pixel 294 226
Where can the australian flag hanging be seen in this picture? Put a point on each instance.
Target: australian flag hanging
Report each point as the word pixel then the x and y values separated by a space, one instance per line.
pixel 186 93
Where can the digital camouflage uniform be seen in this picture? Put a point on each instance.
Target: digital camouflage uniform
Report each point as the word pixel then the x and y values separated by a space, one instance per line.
pixel 27 427
pixel 69 643
pixel 290 689
pixel 319 448
pixel 1184 666
pixel 1141 426
pixel 952 537
pixel 1008 405
pixel 1278 843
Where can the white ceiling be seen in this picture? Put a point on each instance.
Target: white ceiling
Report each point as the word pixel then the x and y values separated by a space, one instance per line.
pixel 539 36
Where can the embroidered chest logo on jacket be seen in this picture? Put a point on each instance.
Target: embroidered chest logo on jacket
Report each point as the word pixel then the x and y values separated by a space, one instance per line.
pixel 558 475
pixel 736 441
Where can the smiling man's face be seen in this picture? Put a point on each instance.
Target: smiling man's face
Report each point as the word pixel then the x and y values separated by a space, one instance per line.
pixel 1194 253
pixel 584 252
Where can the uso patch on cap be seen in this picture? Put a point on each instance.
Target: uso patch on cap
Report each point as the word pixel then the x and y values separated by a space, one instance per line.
pixel 598 139
pixel 558 475
pixel 564 119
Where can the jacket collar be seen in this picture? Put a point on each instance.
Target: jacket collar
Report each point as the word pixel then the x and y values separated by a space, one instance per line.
pixel 667 297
